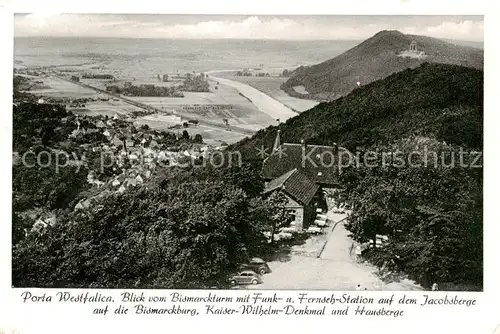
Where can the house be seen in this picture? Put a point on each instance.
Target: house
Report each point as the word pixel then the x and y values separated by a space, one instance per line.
pixel 41 223
pixel 83 204
pixel 116 141
pixel 320 163
pixel 129 143
pixel 302 193
pixel 131 182
pixel 100 124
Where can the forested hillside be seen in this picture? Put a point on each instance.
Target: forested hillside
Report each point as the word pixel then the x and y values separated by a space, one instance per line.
pixel 375 59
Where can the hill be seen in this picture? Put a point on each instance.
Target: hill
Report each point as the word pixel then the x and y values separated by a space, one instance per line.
pixel 374 59
pixel 433 100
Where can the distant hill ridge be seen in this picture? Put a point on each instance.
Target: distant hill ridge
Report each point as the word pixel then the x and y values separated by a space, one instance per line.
pixel 433 100
pixel 374 59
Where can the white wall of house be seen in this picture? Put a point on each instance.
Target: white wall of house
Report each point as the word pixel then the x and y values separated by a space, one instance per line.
pixel 298 211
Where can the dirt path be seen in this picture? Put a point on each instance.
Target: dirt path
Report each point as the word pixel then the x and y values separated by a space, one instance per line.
pixel 334 269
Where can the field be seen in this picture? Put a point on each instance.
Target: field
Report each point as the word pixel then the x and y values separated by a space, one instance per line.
pixel 61 89
pixel 223 102
pixel 57 88
pixel 109 108
pixel 211 135
pixel 240 111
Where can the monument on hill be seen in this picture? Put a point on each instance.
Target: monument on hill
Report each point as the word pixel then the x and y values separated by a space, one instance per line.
pixel 412 52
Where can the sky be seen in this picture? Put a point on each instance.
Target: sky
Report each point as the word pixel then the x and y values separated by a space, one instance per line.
pixel 465 28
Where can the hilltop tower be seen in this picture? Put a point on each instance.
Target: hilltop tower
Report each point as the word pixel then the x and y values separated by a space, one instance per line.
pixel 413 47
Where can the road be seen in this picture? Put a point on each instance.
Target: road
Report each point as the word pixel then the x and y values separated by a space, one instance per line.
pixel 334 269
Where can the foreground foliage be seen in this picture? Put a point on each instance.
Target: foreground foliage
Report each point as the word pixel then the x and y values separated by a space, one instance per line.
pixel 431 214
pixel 188 236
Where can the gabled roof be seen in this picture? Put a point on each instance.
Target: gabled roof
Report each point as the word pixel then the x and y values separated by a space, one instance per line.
pixel 296 184
pixel 313 160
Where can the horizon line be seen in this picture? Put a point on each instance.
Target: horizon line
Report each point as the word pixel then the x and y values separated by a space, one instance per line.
pixel 239 38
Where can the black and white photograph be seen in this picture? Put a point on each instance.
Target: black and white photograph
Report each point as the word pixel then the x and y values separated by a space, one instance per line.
pixel 247 152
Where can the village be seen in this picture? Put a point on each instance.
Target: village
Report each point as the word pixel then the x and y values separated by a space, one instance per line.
pixel 119 155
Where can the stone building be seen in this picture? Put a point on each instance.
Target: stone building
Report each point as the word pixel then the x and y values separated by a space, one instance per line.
pixel 302 194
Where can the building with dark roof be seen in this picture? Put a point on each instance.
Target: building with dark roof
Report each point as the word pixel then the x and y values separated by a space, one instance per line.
pixel 320 163
pixel 302 193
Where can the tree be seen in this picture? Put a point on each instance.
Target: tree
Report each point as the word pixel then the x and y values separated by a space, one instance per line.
pixel 19 227
pixel 279 214
pixel 247 177
pixel 198 139
pixel 185 134
pixel 47 134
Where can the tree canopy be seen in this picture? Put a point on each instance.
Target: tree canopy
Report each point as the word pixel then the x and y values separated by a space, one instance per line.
pixel 174 237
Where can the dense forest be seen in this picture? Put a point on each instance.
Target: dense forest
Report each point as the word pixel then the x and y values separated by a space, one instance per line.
pixel 430 210
pixel 195 83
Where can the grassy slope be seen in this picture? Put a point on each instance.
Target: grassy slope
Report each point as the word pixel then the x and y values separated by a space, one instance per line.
pixel 374 59
pixel 435 100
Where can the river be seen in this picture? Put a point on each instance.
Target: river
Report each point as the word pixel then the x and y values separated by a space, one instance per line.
pixel 262 101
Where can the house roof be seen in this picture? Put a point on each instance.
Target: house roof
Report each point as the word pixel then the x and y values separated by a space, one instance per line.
pixel 296 184
pixel 316 161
